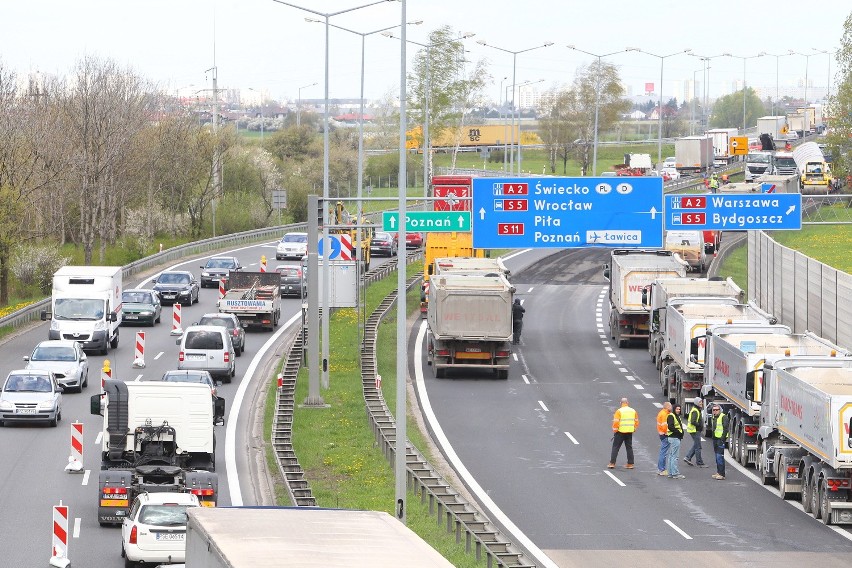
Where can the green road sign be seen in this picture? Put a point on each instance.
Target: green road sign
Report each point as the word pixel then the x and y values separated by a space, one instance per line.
pixel 428 221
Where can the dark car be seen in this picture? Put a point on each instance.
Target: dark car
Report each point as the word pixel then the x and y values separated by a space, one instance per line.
pixel 292 283
pixel 177 286
pixel 218 268
pixel 384 243
pixel 232 324
pixel 140 306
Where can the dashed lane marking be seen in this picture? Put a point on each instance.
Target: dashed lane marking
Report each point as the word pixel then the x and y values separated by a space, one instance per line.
pixel 678 529
pixel 543 406
pixel 572 438
pixel 614 478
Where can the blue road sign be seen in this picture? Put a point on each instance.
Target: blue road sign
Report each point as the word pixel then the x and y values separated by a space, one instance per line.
pixel 734 211
pixel 621 212
pixel 334 245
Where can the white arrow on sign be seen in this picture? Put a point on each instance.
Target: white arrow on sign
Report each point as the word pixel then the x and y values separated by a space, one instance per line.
pixel 392 222
pixel 653 212
pixel 482 213
pixel 461 220
pixel 791 209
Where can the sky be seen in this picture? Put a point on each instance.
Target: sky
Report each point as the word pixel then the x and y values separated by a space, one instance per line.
pixel 269 47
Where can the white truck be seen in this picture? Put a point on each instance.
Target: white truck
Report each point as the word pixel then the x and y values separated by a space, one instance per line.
pixel 758 163
pixel 810 118
pixel 157 436
pixel 721 149
pixel 254 298
pixel 774 126
pixel 734 376
pixel 629 272
pixel 86 306
pixel 694 154
pixel 689 245
pixel 798 124
pixel 469 321
pixel 804 440
pixel 683 350
pixel 656 296
pixel 272 537
pixel 470 266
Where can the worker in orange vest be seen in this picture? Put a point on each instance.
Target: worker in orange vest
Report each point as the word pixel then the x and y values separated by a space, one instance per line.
pixel 624 423
pixel 663 430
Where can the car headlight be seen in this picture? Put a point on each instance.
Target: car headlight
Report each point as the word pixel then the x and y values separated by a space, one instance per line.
pixel 146 312
pixel 184 292
pixel 72 371
pixel 6 405
pixel 100 325
pixel 205 274
pixel 45 405
pixel 54 325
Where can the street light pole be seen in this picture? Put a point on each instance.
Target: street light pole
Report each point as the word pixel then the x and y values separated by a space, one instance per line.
pixel 528 83
pixel 597 98
pixel 514 69
pixel 744 58
pixel 299 103
pixel 325 183
pixel 662 59
pixel 807 57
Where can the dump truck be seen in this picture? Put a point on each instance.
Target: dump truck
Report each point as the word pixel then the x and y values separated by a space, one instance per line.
pixel 444 245
pixel 629 272
pixel 469 324
pixel 814 171
pixel 470 266
pixel 804 441
pixel 656 296
pixel 683 349
pixel 157 436
pixel 721 145
pixel 254 297
pixel 694 154
pixel 734 376
pixel 689 245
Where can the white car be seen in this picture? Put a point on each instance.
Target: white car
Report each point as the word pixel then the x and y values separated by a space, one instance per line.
pixel 671 172
pixel 65 359
pixel 155 530
pixel 31 396
pixel 292 245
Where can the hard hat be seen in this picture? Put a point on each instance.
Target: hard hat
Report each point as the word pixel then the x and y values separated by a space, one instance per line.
pixel 697 400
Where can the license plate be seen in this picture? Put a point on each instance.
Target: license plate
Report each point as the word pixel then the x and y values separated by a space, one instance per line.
pixel 171 536
pixel 131 317
pixel 194 357
pixel 208 503
pixel 25 411
pixel 472 350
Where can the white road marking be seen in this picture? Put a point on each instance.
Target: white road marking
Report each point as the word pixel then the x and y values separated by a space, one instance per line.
pixel 647 395
pixel 543 406
pixel 617 362
pixel 531 289
pixel 158 355
pixel 572 438
pixel 623 370
pixel 605 342
pixel 86 477
pixel 678 529
pixel 99 437
pixel 612 355
pixel 607 348
pixel 441 439
pixel 76 532
pixel 525 378
pixel 614 478
pixel 629 377
pixel 639 387
pixel 515 356
pixel 658 404
pixel 603 336
pixel 138 378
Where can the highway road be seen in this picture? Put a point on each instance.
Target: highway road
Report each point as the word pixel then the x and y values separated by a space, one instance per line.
pixel 537 445
pixel 33 457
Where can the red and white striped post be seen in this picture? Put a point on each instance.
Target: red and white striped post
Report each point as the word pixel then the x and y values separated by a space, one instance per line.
pixel 59 549
pixel 75 460
pixel 139 357
pixel 176 328
pixel 221 288
pixel 106 373
pixel 263 263
pixel 280 381
pixel 378 382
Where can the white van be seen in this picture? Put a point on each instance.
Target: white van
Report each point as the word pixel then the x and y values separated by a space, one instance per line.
pixel 207 348
pixel 689 245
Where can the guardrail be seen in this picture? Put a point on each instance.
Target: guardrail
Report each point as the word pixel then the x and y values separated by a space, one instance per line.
pixel 32 312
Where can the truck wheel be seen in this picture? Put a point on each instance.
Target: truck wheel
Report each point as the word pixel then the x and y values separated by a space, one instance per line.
pixel 742 451
pixel 502 374
pixel 824 505
pixel 781 476
pixel 806 494
pixel 439 373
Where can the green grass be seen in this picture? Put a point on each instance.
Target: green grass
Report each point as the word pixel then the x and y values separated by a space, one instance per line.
pixel 830 244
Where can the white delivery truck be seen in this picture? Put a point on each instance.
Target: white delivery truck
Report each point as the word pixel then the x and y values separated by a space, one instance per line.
pixel 694 153
pixel 721 145
pixel 85 306
pixel 774 126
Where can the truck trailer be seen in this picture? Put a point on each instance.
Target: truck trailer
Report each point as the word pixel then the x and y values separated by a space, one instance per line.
pixel 694 154
pixel 157 437
pixel 85 306
pixel 734 377
pixel 656 296
pixel 804 441
pixel 444 245
pixel 721 145
pixel 775 126
pixel 254 297
pixel 470 324
pixel 629 272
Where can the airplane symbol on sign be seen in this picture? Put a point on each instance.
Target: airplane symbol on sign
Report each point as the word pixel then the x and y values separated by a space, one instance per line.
pixel 594 237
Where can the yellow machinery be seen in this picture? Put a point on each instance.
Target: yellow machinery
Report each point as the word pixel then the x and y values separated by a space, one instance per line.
pixel 340 217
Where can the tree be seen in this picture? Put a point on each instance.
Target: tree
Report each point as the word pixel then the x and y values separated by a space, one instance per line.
pixel 840 107
pixel 556 127
pixel 728 110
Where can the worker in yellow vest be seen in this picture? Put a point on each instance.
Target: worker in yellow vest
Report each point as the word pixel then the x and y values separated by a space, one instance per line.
pixel 624 423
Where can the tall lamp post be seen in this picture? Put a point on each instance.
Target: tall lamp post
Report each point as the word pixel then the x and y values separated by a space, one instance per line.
pixel 694 98
pixel 597 99
pixel 514 68
pixel 299 103
pixel 828 81
pixel 427 150
pixel 706 62
pixel 777 57
pixel 807 57
pixel 662 59
pixel 744 58
pixel 527 84
pixel 325 179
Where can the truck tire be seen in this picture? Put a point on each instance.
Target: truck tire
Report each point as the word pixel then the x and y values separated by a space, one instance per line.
pixel 765 478
pixel 824 509
pixel 502 374
pixel 806 493
pixel 781 476
pixel 114 342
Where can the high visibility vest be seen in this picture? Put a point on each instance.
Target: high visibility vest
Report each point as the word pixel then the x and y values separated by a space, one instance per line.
pixel 626 420
pixel 662 424
pixel 719 430
pixel 678 426
pixel 690 427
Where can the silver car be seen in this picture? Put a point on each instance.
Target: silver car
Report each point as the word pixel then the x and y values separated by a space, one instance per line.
pixel 30 395
pixel 65 359
pixel 207 348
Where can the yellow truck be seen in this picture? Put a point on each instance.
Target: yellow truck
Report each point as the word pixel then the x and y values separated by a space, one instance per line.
pixel 442 245
pixel 471 135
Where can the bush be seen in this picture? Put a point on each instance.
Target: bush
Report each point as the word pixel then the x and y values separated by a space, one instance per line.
pixel 34 265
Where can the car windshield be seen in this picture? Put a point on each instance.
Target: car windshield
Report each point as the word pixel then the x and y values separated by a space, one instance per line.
pixel 137 298
pixel 204 340
pixel 27 383
pixel 216 320
pixel 79 309
pixel 382 237
pixel 758 158
pixel 53 353
pixel 169 515
pixel 786 162
pixel 186 378
pixel 291 272
pixel 173 278
pixel 220 263
pixel 294 238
